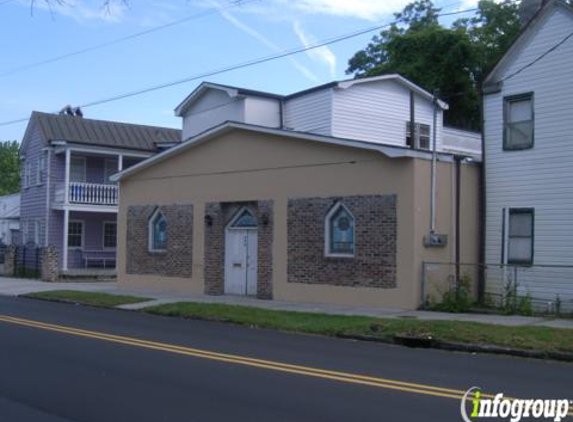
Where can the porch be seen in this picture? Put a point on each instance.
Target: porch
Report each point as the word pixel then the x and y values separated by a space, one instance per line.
pixel 88 242
pixel 82 177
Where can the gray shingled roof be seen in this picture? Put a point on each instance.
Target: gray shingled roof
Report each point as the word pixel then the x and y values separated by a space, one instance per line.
pixel 59 127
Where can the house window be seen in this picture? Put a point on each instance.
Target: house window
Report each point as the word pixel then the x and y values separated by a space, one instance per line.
pixel 78 169
pixel 421 137
pixel 157 232
pixel 39 232
pixel 339 232
pixel 41 169
pixel 518 122
pixel 109 234
pixel 520 236
pixel 27 174
pixel 75 234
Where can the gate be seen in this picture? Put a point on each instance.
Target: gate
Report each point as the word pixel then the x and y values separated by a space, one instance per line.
pixel 27 261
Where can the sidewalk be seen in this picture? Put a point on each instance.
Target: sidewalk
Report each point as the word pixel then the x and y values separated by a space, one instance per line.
pixel 18 286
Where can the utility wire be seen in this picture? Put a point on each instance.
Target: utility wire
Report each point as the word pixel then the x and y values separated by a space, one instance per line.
pixel 539 58
pixel 284 53
pixel 208 12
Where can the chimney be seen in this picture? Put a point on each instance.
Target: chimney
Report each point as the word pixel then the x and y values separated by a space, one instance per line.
pixel 528 9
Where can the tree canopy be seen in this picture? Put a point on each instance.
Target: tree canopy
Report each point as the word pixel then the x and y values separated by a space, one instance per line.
pixel 451 61
pixel 9 168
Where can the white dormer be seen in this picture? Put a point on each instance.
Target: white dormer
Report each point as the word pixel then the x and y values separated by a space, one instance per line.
pixel 212 104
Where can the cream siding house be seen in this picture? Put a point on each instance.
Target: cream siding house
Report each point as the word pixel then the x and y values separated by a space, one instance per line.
pixel 528 132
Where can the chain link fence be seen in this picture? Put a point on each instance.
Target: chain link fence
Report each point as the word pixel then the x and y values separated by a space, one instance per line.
pixel 548 288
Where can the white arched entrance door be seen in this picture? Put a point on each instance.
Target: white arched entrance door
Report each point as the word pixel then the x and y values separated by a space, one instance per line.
pixel 241 237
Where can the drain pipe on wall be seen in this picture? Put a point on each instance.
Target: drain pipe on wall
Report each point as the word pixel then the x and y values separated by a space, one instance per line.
pixel 433 170
pixel 433 239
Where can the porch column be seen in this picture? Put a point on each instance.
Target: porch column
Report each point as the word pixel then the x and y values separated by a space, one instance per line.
pixel 65 240
pixel 67 180
pixel 120 163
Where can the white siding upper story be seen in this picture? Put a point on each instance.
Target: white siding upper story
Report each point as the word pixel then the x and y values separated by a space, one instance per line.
pixel 311 112
pixel 540 177
pixel 372 109
pixel 378 112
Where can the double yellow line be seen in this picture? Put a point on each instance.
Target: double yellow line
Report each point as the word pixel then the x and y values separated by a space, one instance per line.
pixel 252 362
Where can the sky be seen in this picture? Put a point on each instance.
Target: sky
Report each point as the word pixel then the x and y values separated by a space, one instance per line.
pixel 210 34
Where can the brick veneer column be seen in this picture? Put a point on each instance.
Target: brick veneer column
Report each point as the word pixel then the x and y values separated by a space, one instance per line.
pixel 265 219
pixel 214 248
pixel 49 264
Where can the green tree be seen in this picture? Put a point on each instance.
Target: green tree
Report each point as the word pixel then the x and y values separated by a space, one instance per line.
pixel 9 168
pixel 451 61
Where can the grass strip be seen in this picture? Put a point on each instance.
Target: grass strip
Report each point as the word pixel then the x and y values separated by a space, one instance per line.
pixel 538 338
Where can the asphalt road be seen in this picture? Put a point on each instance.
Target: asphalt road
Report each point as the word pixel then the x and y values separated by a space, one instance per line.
pixel 52 373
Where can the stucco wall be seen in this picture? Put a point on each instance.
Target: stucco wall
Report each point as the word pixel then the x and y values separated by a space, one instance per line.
pixel 247 166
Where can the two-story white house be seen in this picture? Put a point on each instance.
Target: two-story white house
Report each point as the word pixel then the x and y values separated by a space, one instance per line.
pixel 528 133
pixel 324 195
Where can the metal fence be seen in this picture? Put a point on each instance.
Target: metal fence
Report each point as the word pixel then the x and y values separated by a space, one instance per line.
pixel 2 252
pixel 549 288
pixel 27 261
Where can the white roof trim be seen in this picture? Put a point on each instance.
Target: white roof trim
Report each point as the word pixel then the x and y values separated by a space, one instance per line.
pixel 389 151
pixel 523 37
pixel 197 92
pixel 408 84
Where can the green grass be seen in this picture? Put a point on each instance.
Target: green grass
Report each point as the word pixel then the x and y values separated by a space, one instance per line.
pixel 543 339
pixel 88 298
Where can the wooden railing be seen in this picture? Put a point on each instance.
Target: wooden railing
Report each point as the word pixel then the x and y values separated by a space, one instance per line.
pixel 92 193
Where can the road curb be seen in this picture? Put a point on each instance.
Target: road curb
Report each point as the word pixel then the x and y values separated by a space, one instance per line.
pixel 398 340
pixel 429 343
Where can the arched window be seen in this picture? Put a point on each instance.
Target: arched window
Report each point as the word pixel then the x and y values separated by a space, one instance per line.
pixel 339 232
pixel 157 231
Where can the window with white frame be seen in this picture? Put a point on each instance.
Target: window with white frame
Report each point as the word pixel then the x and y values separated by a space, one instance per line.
pixel 109 234
pixel 518 122
pixel 520 236
pixel 157 232
pixel 421 137
pixel 31 232
pixel 39 232
pixel 78 169
pixel 75 234
pixel 41 169
pixel 27 173
pixel 339 232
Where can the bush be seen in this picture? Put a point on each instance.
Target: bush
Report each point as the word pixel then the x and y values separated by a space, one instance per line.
pixel 458 298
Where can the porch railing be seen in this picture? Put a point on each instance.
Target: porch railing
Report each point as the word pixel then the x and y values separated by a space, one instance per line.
pixel 92 193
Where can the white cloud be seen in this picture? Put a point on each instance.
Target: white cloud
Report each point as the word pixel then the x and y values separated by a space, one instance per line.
pixel 263 40
pixel 363 9
pixel 320 54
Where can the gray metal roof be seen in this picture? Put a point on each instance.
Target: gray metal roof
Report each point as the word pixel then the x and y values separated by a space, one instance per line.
pixel 61 127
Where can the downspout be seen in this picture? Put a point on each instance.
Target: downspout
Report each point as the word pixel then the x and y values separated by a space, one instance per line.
pixel 482 206
pixel 433 170
pixel 281 114
pixel 458 164
pixel 412 119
